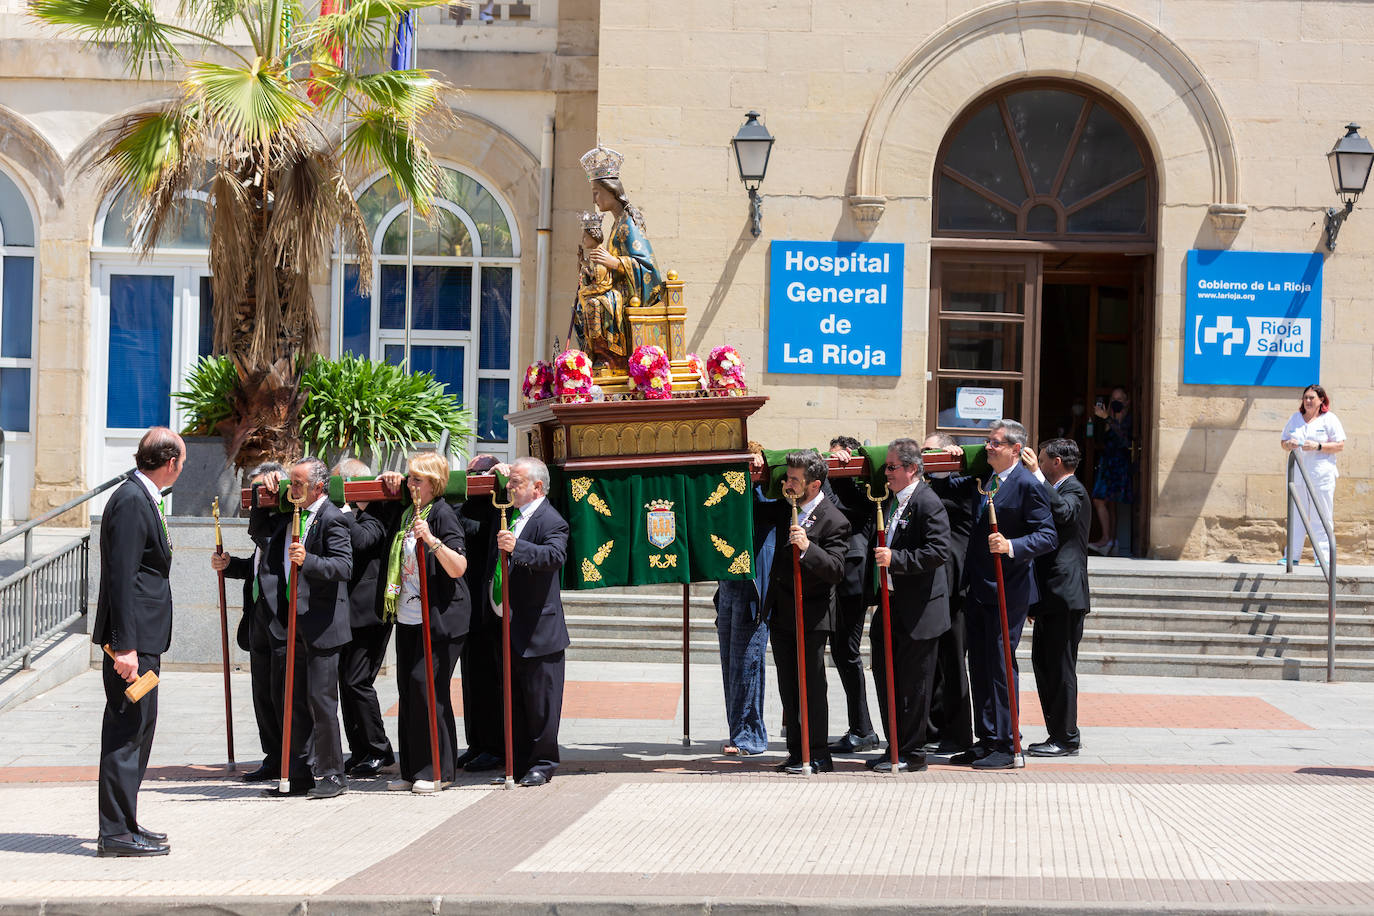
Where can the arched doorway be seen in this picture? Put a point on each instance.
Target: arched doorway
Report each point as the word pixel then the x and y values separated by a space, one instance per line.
pixel 1043 236
pixel 19 298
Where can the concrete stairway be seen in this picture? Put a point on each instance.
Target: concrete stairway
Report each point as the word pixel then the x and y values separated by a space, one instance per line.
pixel 1149 617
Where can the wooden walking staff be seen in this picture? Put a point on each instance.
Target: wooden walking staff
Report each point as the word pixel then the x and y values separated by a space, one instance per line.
pixel 886 608
pixel 224 641
pixel 430 696
pixel 504 559
pixel 1017 759
pixel 284 782
pixel 805 722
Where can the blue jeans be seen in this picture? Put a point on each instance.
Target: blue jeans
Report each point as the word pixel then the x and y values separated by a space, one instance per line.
pixel 743 648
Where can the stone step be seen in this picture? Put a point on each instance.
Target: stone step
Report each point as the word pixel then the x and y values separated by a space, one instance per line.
pixel 1228 622
pixel 1196 599
pixel 1220 643
pixel 1305 581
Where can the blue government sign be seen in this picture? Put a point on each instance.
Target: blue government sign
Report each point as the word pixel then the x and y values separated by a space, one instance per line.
pixel 835 308
pixel 1252 318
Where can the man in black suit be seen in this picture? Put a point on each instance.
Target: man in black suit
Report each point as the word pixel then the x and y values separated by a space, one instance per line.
pixel 133 618
pixel 260 634
pixel 1062 578
pixel 1026 531
pixel 480 663
pixel 853 596
pixel 370 527
pixel 914 561
pixel 822 536
pixel 324 560
pixel 950 726
pixel 537 541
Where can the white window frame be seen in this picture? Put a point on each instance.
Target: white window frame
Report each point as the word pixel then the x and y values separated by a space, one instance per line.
pixel 16 475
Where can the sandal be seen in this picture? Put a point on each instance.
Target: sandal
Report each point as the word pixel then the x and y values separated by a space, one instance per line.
pixel 731 750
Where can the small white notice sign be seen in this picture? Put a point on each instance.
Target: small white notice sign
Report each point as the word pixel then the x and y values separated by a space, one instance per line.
pixel 978 403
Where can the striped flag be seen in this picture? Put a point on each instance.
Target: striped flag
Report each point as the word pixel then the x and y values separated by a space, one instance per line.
pixel 331 51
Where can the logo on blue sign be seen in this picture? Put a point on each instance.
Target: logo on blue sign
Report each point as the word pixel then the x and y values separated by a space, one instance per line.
pixel 835 308
pixel 1253 318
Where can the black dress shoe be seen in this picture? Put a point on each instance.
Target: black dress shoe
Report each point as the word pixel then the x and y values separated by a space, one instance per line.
pixel 262 774
pixel 817 766
pixel 483 762
pixel 298 787
pixel 366 768
pixel 152 836
pixel 1052 748
pixel 468 756
pixel 852 743
pixel 969 757
pixel 130 844
pixel 997 760
pixel 904 765
pixel 328 787
pixel 534 778
pixel 787 765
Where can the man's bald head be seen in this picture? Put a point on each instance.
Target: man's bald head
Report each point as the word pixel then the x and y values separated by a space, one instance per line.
pixel 157 448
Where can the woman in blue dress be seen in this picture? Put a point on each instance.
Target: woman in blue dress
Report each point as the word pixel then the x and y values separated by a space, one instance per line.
pixel 1112 484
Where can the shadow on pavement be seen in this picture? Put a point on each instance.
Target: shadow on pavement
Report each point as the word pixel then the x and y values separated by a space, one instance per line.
pixel 46 843
pixel 1346 772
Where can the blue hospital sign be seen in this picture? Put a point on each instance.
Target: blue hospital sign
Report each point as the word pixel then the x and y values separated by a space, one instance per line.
pixel 1252 318
pixel 835 308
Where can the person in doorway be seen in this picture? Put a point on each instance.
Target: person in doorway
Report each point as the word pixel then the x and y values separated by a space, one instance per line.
pixel 1062 578
pixel 1113 485
pixel 1317 436
pixel 133 621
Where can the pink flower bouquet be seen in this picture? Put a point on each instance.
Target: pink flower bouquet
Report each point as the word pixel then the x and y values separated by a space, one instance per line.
pixel 572 377
pixel 725 371
pixel 538 385
pixel 698 367
pixel 652 374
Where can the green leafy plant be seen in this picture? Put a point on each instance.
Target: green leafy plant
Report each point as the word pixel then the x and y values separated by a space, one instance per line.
pixel 358 404
pixel 208 398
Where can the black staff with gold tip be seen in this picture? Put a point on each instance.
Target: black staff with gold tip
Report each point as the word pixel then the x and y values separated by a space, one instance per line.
pixel 224 642
pixel 1018 759
pixel 504 559
pixel 885 607
pixel 804 720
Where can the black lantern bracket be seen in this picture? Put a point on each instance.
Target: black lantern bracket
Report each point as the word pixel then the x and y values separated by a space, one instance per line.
pixel 753 145
pixel 1350 160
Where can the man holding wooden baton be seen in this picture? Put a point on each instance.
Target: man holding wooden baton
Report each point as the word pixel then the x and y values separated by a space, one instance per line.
pixel 133 621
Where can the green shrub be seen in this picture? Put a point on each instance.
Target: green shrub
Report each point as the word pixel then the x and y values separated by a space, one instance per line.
pixel 360 405
pixel 208 398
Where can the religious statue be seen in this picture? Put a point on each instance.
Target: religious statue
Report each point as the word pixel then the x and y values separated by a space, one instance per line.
pixel 627 260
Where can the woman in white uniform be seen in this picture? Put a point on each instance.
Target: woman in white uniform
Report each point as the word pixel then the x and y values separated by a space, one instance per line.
pixel 1316 434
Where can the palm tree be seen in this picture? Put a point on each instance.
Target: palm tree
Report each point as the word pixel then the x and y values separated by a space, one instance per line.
pixel 256 123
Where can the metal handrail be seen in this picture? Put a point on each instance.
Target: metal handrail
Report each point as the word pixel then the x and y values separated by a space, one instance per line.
pixel 1326 565
pixel 64 508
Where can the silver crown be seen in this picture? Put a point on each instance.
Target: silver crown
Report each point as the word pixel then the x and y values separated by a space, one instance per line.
pixel 591 220
pixel 602 163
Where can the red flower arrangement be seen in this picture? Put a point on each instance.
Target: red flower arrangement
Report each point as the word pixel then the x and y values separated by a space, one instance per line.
pixel 652 374
pixel 538 385
pixel 725 371
pixel 572 377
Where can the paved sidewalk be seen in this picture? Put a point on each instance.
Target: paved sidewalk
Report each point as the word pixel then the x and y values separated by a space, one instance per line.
pixel 1189 795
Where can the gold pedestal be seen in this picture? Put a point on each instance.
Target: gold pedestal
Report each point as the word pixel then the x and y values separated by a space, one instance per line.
pixel 660 324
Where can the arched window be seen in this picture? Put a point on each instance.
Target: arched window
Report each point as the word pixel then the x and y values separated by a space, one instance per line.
pixel 1044 161
pixel 18 298
pixel 463 286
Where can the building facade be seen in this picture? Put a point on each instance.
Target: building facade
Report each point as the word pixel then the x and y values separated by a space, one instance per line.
pixel 1046 166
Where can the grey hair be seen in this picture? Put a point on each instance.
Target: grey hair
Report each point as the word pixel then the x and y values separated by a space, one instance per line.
pixel 319 471
pixel 536 470
pixel 352 467
pixel 267 467
pixel 908 453
pixel 813 466
pixel 942 440
pixel 1016 433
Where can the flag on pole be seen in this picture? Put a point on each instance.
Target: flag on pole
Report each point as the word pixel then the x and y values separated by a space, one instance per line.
pixel 330 51
pixel 403 50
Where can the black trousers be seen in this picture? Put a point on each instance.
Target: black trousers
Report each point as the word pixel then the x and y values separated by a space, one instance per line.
pixel 914 661
pixel 536 711
pixel 359 663
pixel 951 712
pixel 987 671
pixel 1054 658
pixel 817 704
pixel 846 648
pixel 316 741
pixel 412 726
pixel 483 726
pixel 267 668
pixel 126 740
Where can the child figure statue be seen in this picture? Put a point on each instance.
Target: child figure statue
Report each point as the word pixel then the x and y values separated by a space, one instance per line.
pixel 598 315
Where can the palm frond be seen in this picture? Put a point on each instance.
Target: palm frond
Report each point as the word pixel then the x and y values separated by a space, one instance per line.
pixel 213 17
pixel 408 95
pixel 253 103
pixel 366 27
pixel 138 148
pixel 376 139
pixel 132 25
pixel 233 246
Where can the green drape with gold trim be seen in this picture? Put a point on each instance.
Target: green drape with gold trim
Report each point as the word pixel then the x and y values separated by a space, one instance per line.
pixel 659 526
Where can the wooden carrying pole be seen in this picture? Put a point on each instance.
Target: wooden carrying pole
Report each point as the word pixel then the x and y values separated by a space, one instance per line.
pixel 224 642
pixel 886 608
pixel 686 666
pixel 284 782
pixel 431 697
pixel 804 722
pixel 1017 759
pixel 139 687
pixel 504 559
